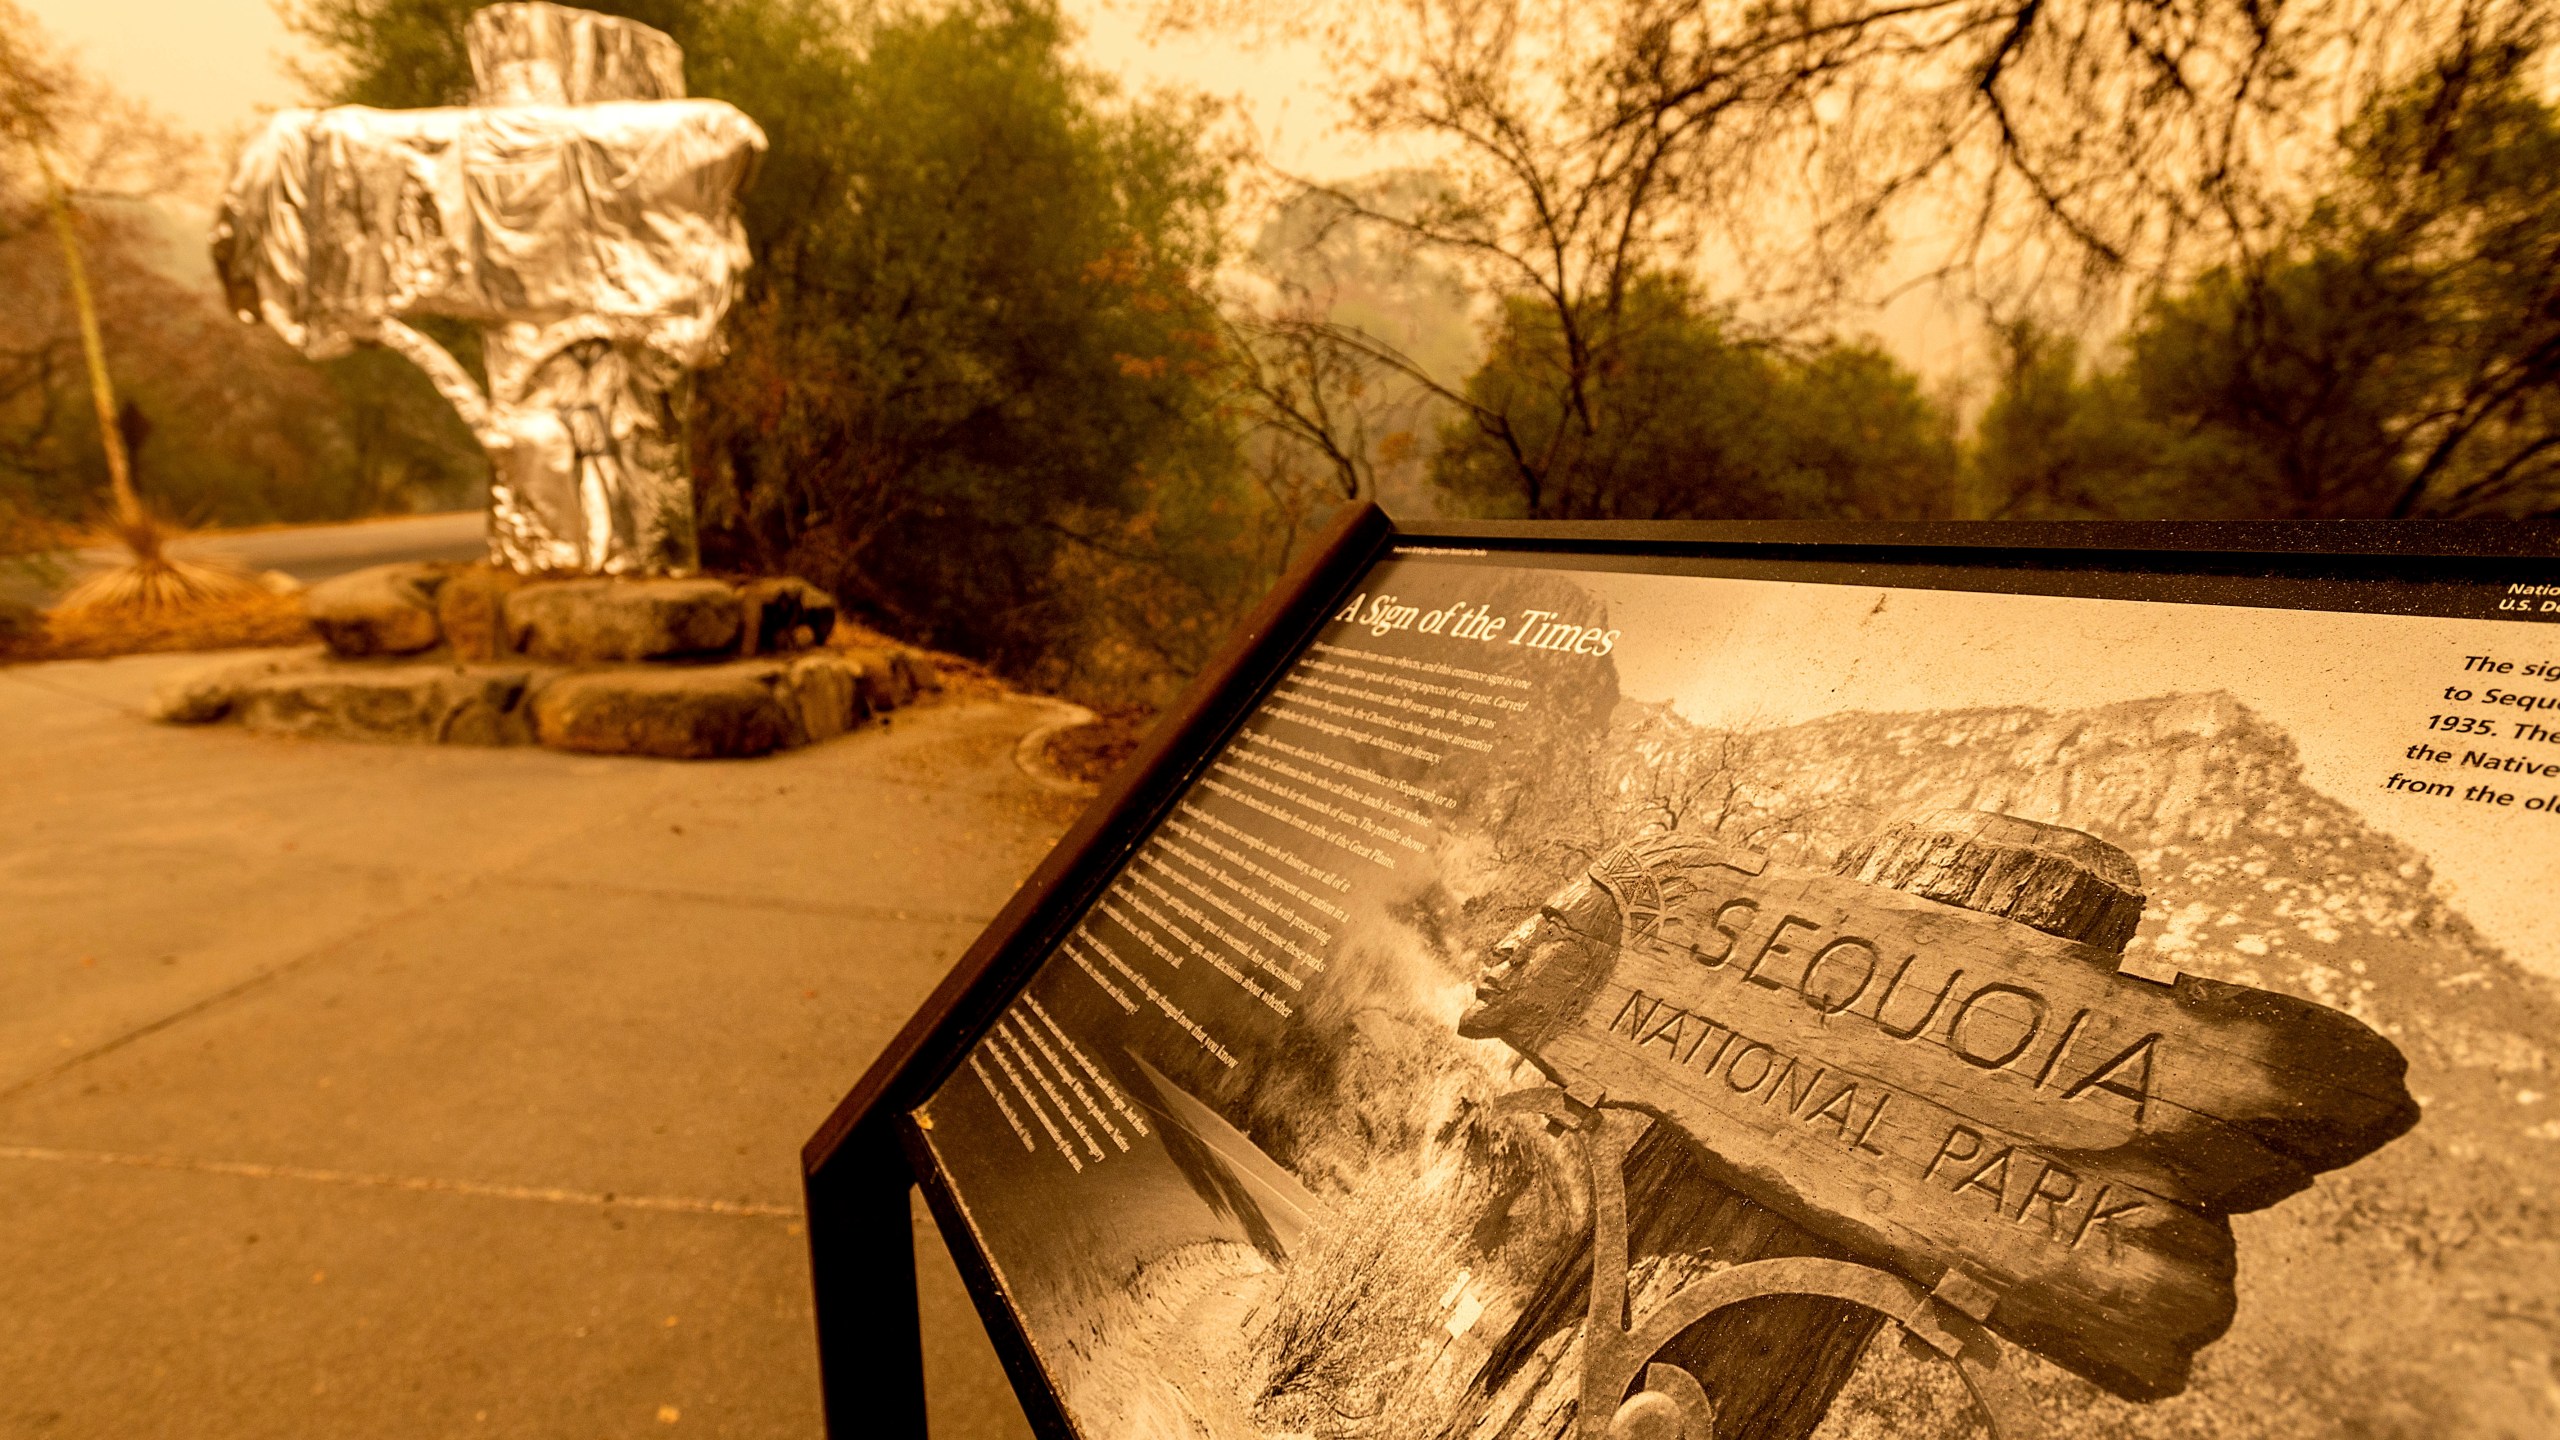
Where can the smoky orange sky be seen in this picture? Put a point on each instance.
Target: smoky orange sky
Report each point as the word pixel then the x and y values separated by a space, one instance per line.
pixel 217 65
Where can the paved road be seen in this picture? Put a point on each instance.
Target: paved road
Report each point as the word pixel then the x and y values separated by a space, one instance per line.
pixel 305 552
pixel 316 552
pixel 386 1092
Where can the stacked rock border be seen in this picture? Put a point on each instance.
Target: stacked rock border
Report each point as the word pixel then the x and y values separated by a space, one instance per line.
pixel 688 669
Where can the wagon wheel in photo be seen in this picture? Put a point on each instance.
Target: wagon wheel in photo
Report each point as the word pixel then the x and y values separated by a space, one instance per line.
pixel 1672 1405
pixel 2057 881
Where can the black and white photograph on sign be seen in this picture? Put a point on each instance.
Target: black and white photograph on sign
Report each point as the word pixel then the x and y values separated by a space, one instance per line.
pixel 1587 1003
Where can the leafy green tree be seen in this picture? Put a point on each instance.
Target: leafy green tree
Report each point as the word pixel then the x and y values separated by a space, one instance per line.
pixel 995 346
pixel 2059 440
pixel 976 383
pixel 1805 153
pixel 2398 355
pixel 1681 420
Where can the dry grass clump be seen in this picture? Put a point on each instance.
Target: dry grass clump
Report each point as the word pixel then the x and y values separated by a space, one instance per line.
pixel 152 600
pixel 243 621
pixel 153 580
pixel 1355 1316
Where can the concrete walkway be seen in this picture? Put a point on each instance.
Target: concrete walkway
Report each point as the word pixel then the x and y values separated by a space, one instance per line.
pixel 388 1092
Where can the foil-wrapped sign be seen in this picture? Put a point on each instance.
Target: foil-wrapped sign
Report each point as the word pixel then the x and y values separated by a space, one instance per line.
pixel 1934 1060
pixel 583 214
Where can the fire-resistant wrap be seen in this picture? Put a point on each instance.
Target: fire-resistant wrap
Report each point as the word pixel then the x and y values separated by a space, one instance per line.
pixel 582 213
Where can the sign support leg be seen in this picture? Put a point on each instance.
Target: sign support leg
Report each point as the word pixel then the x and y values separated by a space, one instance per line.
pixel 863 1265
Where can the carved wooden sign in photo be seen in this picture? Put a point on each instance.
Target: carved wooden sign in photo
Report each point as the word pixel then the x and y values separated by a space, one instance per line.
pixel 1727 983
pixel 1934 1059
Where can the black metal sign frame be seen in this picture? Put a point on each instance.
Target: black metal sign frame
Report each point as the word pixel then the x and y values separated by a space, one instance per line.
pixel 861 1165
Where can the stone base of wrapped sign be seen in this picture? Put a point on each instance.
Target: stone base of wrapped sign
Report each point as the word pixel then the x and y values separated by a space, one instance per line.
pixel 689 669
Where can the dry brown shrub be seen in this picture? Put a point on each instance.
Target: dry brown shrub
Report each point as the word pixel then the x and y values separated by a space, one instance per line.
pixel 1093 753
pixel 956 677
pixel 244 622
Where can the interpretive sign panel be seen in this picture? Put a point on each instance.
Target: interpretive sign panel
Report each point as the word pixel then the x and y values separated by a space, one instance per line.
pixel 1588 982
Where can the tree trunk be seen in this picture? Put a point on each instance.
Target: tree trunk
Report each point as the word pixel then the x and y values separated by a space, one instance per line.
pixel 102 391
